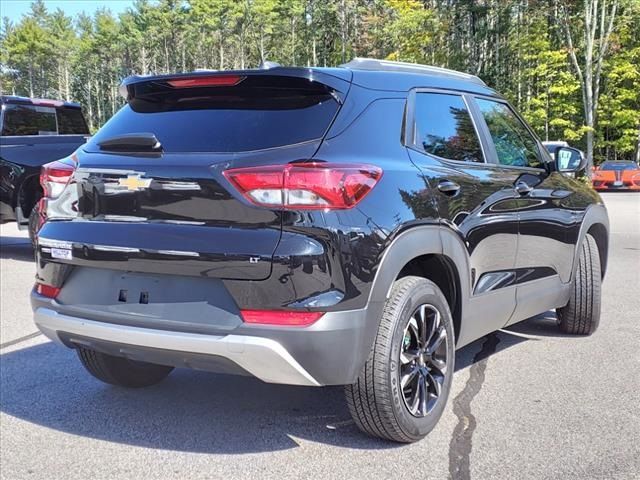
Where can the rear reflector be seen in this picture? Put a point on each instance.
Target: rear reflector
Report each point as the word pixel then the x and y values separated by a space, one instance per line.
pixel 201 81
pixel 305 186
pixel 280 317
pixel 47 290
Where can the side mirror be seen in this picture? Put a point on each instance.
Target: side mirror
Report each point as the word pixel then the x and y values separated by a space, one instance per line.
pixel 569 160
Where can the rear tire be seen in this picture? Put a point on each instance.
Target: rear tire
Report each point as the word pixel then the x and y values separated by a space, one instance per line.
pixel 121 371
pixel 406 365
pixel 581 316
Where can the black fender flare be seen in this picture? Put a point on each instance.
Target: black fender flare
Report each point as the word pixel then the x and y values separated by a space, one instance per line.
pixel 596 214
pixel 407 245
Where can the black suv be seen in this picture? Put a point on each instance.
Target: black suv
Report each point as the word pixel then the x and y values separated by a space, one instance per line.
pixel 316 226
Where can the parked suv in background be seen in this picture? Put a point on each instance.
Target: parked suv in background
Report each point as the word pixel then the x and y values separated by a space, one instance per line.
pixel 33 132
pixel 315 226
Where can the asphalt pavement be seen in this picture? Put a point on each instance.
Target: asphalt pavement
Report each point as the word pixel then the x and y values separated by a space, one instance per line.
pixel 527 402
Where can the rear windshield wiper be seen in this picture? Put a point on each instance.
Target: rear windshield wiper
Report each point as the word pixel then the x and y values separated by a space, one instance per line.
pixel 132 143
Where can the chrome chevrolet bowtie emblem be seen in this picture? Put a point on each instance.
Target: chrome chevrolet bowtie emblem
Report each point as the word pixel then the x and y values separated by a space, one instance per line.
pixel 134 182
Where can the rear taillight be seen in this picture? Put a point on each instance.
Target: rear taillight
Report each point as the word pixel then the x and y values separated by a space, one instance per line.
pixel 305 186
pixel 55 176
pixel 280 317
pixel 47 290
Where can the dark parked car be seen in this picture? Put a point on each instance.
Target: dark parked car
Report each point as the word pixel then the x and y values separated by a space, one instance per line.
pixel 33 132
pixel 315 226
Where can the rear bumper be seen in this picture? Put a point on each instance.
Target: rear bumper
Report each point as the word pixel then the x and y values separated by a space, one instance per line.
pixel 330 352
pixel 262 357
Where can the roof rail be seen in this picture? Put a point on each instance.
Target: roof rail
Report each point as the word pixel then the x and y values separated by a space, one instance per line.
pixel 374 64
pixel 267 65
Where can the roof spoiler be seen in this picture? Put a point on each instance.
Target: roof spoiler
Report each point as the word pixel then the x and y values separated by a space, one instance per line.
pixel 338 81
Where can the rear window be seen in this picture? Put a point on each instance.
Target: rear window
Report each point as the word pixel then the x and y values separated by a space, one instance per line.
pixel 260 112
pixel 22 120
pixel 618 166
pixel 71 122
pixel 29 120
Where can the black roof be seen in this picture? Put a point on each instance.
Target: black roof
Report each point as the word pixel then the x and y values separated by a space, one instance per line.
pixel 366 72
pixel 45 102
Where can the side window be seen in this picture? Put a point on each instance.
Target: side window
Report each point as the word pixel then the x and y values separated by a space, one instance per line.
pixel 443 127
pixel 514 144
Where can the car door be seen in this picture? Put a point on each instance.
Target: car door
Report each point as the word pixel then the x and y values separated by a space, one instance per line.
pixel 548 225
pixel 475 199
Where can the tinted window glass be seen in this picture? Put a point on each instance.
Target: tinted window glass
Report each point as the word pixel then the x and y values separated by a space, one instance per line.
pixel 29 120
pixel 444 127
pixel 259 113
pixel 71 122
pixel 618 166
pixel 514 144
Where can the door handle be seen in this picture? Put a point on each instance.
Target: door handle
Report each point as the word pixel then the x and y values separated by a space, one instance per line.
pixel 448 187
pixel 523 188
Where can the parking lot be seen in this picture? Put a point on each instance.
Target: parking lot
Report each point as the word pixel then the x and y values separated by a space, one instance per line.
pixel 527 402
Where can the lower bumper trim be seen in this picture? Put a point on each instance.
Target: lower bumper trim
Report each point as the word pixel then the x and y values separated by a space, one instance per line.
pixel 264 358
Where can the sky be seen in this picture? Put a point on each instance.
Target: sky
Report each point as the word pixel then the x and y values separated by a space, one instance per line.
pixel 14 9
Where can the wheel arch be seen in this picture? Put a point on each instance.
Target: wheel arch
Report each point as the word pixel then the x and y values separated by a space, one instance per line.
pixel 434 252
pixel 595 223
pixel 28 195
pixel 441 270
pixel 601 235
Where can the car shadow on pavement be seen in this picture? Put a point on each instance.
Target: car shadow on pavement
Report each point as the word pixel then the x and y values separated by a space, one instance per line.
pixel 543 325
pixel 190 411
pixel 16 248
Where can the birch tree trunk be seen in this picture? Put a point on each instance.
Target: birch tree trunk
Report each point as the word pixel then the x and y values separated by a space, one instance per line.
pixel 221 52
pixel 31 79
pixel 67 95
pixel 599 20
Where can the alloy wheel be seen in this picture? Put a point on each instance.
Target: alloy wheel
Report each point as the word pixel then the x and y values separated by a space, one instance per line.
pixel 423 360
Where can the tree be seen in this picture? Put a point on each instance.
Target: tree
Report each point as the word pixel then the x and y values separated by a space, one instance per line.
pixel 27 48
pixel 543 55
pixel 619 109
pixel 62 41
pixel 410 30
pixel 587 57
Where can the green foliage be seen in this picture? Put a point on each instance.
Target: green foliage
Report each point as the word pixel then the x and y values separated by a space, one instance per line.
pixel 516 46
pixel 410 30
pixel 618 130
